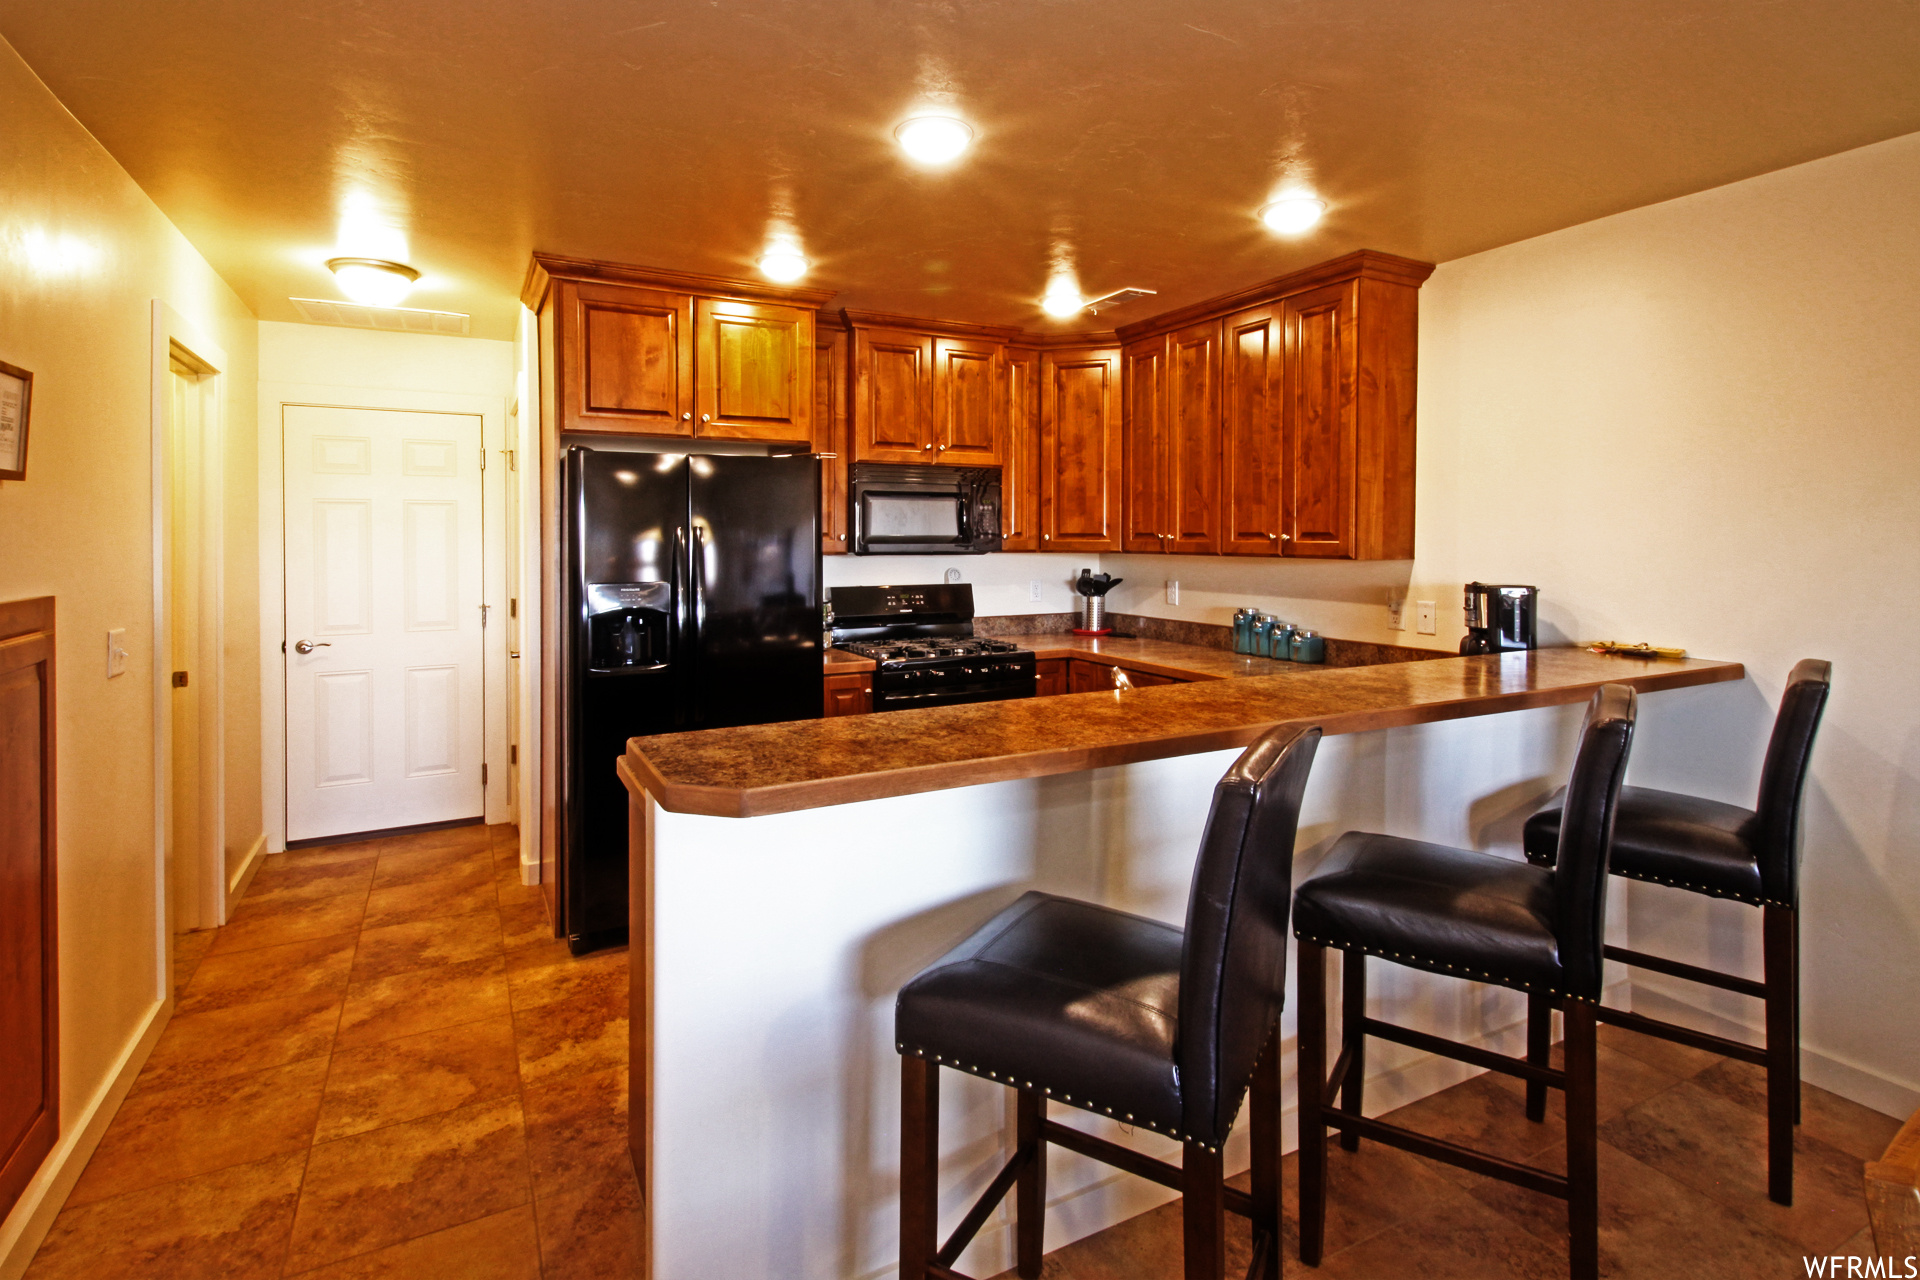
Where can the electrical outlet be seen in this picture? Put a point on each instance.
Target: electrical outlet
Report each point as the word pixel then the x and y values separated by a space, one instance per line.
pixel 953 575
pixel 1423 613
pixel 1396 615
pixel 1173 591
pixel 1033 591
pixel 116 652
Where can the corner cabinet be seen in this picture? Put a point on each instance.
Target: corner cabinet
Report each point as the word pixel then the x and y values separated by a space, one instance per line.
pixel 1080 449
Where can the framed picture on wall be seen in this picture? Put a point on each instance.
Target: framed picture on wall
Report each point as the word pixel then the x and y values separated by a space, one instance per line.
pixel 16 398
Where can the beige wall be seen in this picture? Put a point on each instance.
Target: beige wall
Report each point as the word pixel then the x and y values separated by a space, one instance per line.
pixel 83 254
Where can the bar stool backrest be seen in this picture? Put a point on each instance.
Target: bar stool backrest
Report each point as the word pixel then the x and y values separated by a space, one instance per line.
pixel 1586 837
pixel 1233 970
pixel 1783 778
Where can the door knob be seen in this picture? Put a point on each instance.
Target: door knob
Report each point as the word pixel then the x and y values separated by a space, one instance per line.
pixel 308 646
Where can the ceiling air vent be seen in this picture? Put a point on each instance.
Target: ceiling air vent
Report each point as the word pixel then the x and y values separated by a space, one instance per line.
pixel 1114 299
pixel 393 319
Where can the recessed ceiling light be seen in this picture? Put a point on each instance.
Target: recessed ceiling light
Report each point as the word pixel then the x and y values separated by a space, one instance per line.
pixel 934 139
pixel 783 266
pixel 373 281
pixel 1293 214
pixel 1062 300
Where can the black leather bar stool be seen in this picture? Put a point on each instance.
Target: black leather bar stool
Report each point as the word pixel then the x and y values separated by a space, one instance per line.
pixel 1124 1017
pixel 1723 851
pixel 1475 916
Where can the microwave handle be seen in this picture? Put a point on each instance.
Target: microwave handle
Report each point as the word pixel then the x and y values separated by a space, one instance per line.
pixel 966 513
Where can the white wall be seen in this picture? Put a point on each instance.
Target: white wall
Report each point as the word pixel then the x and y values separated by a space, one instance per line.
pixel 320 364
pixel 1002 583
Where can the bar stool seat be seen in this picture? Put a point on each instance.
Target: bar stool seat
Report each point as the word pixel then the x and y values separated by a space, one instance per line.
pixel 1665 838
pixel 1061 991
pixel 1432 907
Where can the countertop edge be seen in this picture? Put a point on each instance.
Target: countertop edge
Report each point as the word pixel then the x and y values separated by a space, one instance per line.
pixel 817 793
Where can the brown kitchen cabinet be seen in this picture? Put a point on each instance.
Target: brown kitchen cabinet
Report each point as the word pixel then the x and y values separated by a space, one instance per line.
pixel 1019 483
pixel 830 431
pixel 1172 443
pixel 1049 677
pixel 1088 677
pixel 928 391
pixel 627 359
pixel 753 371
pixel 1080 448
pixel 848 695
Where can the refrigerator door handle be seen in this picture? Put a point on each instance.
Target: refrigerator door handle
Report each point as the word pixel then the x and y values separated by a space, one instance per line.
pixel 699 583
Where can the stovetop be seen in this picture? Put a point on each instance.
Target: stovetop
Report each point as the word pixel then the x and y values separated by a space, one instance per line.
pixel 910 651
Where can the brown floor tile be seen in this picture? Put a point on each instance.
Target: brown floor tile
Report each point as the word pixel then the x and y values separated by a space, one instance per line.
pixel 353 851
pixel 1674 1059
pixel 507 883
pixel 272 921
pixel 197 1047
pixel 593 1233
pixel 1857 1130
pixel 548 972
pixel 525 924
pixel 430 900
pixel 1145 1247
pixel 269 973
pixel 1462 1241
pixel 571 1038
pixel 1717 1147
pixel 419 1075
pixel 1480 1113
pixel 577 1130
pixel 458 865
pixel 1368 1191
pixel 405 1004
pixel 502 1247
pixel 229 1225
pixel 422 944
pixel 170 1134
pixel 380 1188
pixel 189 949
pixel 293 875
pixel 1624 1080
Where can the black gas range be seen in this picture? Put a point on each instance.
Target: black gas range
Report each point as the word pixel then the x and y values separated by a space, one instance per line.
pixel 921 640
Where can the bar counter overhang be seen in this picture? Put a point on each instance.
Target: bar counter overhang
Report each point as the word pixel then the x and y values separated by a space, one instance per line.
pixel 789 878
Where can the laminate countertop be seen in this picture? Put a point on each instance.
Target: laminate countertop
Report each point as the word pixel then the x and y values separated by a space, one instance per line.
pixel 809 764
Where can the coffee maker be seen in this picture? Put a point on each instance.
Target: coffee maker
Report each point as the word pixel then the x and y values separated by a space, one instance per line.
pixel 1500 618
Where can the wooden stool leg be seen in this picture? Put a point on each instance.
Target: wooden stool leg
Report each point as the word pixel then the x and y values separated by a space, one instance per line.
pixel 1539 1051
pixel 919 1165
pixel 1311 1087
pixel 1583 1141
pixel 1778 925
pixel 1203 1213
pixel 1030 1191
pixel 1264 1104
pixel 1353 1009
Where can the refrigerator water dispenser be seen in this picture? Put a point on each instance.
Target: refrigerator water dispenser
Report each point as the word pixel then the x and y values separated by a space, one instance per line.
pixel 627 625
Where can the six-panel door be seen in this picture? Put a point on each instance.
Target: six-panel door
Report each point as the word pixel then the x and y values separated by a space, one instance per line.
pixel 629 360
pixel 1080 449
pixel 753 366
pixel 892 396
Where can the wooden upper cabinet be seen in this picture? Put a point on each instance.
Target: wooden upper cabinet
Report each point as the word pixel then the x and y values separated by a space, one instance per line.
pixel 969 415
pixel 754 367
pixel 1319 425
pixel 1144 448
pixel 629 359
pixel 1080 444
pixel 830 432
pixel 1252 383
pixel 1191 475
pixel 1019 487
pixel 892 396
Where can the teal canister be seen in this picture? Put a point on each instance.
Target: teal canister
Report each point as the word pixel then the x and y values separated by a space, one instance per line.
pixel 1281 645
pixel 1309 646
pixel 1242 630
pixel 1262 634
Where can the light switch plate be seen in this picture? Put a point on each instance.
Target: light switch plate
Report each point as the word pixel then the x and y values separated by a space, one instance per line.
pixel 116 652
pixel 1173 591
pixel 1033 590
pixel 1423 615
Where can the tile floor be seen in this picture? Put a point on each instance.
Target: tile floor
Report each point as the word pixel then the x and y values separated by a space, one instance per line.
pixel 384 1066
pixel 1682 1186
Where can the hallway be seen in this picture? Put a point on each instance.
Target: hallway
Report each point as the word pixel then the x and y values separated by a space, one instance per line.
pixel 383 1066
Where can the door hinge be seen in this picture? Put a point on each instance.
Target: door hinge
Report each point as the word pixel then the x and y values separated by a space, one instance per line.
pixel 179 679
pixel 483 775
pixel 513 606
pixel 485 609
pixel 511 460
pixel 513 753
pixel 483 457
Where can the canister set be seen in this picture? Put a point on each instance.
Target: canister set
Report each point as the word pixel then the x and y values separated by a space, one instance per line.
pixel 1262 635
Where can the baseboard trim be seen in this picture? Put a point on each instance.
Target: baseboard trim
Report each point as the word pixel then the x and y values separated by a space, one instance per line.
pixel 1850 1080
pixel 33 1214
pixel 237 887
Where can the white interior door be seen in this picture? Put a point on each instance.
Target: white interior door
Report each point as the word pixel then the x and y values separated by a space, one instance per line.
pixel 384 619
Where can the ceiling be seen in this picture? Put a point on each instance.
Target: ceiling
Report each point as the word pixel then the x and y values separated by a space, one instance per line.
pixel 1136 138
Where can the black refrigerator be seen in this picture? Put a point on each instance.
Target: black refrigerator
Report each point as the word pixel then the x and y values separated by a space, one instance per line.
pixel 693 602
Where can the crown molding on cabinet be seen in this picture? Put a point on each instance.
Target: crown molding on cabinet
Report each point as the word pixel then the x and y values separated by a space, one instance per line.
pixel 548 266
pixel 1368 264
pixel 920 324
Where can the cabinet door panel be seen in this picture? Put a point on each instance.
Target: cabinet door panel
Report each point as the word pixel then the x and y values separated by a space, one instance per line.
pixel 1143 469
pixel 830 434
pixel 1189 498
pixel 1019 492
pixel 848 695
pixel 969 422
pixel 1251 458
pixel 1050 677
pixel 1080 449
pixel 1319 424
pixel 755 372
pixel 1088 677
pixel 892 396
pixel 632 365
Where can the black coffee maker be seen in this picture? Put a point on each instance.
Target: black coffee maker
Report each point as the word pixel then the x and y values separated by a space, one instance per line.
pixel 1500 618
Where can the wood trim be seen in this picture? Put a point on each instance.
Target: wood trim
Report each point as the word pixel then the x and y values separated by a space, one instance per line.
pixel 547 267
pixel 1368 264
pixel 921 324
pixel 29 628
pixel 842 761
pixel 1056 341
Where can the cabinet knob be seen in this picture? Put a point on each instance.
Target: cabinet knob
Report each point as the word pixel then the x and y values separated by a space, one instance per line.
pixel 686 417
pixel 1286 537
pixel 1273 537
pixel 927 446
pixel 843 537
pixel 706 417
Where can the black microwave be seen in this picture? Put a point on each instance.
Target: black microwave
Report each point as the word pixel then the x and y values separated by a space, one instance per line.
pixel 901 509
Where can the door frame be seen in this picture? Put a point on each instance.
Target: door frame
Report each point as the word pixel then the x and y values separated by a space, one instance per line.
pixel 492 412
pixel 175 336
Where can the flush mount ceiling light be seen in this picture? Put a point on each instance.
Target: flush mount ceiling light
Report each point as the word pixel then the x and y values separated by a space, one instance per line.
pixel 934 139
pixel 373 281
pixel 1062 300
pixel 783 265
pixel 1291 215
